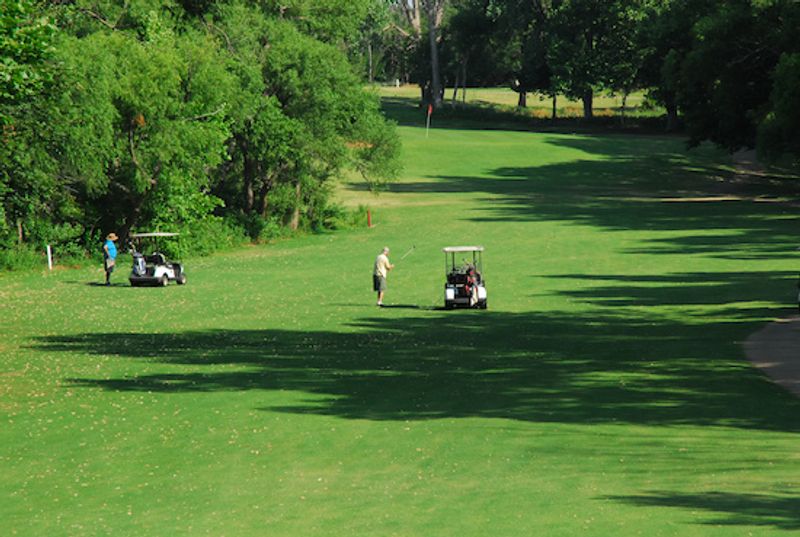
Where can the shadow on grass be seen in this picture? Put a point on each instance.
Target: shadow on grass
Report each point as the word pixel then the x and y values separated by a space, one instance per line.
pixel 686 289
pixel 552 367
pixel 488 116
pixel 774 510
pixel 640 185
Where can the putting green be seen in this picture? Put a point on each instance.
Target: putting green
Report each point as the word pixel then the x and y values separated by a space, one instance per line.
pixel 603 392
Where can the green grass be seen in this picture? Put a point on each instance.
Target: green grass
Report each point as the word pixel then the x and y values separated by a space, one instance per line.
pixel 538 105
pixel 604 392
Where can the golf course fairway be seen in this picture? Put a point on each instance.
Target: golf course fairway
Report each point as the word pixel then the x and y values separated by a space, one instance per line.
pixel 603 392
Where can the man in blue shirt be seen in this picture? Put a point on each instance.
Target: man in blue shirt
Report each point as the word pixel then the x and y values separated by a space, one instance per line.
pixel 109 256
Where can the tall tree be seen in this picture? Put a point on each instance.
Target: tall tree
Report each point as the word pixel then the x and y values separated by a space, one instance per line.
pixel 431 13
pixel 779 132
pixel 526 26
pixel 589 39
pixel 300 117
pixel 26 39
pixel 727 78
pixel 665 39
pixel 475 43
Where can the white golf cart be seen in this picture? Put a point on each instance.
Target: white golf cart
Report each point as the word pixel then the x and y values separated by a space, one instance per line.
pixel 465 285
pixel 153 269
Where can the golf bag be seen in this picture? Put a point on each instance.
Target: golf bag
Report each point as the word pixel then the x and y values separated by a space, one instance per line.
pixel 139 266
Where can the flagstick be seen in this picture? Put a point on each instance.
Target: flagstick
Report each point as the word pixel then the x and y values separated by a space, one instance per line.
pixel 428 120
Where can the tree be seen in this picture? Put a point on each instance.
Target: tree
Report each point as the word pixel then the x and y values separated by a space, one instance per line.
pixel 25 47
pixel 138 122
pixel 330 21
pixel 665 39
pixel 526 26
pixel 431 12
pixel 299 117
pixel 151 107
pixel 471 34
pixel 727 78
pixel 589 40
pixel 779 133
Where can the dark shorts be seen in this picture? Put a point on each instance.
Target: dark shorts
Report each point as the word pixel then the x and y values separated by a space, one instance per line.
pixel 378 283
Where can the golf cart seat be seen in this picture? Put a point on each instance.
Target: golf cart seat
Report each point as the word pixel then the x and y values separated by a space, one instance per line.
pixel 457 278
pixel 155 259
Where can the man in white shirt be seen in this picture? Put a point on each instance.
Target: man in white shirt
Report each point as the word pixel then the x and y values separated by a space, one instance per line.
pixel 382 268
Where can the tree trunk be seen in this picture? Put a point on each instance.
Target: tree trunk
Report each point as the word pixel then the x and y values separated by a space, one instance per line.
pixel 672 115
pixel 555 106
pixel 369 55
pixel 248 176
pixel 588 99
pixel 263 203
pixel 522 101
pixel 455 86
pixel 624 104
pixel 411 10
pixel 295 221
pixel 249 194
pixel 436 81
pixel 19 231
pixel 464 81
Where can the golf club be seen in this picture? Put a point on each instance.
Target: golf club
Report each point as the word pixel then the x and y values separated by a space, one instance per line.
pixel 408 252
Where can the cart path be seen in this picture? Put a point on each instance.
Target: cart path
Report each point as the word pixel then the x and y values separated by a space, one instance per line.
pixel 775 350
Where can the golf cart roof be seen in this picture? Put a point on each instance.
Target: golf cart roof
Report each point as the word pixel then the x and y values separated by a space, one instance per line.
pixel 457 249
pixel 156 234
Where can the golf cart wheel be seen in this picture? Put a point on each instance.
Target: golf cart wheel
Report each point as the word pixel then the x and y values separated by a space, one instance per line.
pixel 164 281
pixel 181 279
pixel 482 304
pixel 448 305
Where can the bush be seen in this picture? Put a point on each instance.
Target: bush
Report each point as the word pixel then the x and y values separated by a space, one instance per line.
pixel 21 257
pixel 209 235
pixel 338 217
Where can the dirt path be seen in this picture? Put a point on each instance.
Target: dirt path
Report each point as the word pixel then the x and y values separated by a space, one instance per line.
pixel 775 349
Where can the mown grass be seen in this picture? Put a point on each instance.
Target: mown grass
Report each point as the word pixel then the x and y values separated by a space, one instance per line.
pixel 604 391
pixel 538 105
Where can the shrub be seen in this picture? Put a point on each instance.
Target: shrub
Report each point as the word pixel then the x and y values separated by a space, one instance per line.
pixel 21 257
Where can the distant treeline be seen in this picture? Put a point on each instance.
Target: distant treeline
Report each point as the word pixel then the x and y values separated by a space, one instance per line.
pixel 220 120
pixel 727 70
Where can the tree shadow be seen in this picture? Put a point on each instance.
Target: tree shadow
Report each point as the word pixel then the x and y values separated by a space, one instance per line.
pixel 780 511
pixel 539 367
pixel 487 116
pixel 684 289
pixel 644 186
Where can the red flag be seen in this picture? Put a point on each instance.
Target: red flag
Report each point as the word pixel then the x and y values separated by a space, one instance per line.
pixel 430 109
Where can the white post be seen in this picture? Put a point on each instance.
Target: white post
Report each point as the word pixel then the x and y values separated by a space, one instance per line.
pixel 428 120
pixel 49 257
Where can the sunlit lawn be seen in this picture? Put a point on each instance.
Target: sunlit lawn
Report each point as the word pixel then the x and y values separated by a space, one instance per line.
pixel 538 105
pixel 604 391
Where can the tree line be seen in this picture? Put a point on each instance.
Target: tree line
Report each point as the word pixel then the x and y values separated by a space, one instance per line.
pixel 231 119
pixel 725 70
pixel 216 119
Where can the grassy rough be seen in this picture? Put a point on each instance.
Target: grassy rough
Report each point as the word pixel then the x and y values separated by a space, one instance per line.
pixel 604 391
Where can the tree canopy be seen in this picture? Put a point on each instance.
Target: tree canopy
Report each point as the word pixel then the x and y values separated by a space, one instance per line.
pixel 180 116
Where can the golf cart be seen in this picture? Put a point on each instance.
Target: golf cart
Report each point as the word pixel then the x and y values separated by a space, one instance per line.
pixel 465 285
pixel 153 269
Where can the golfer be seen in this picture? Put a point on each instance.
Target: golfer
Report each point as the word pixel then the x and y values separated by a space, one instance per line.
pixel 109 256
pixel 382 268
